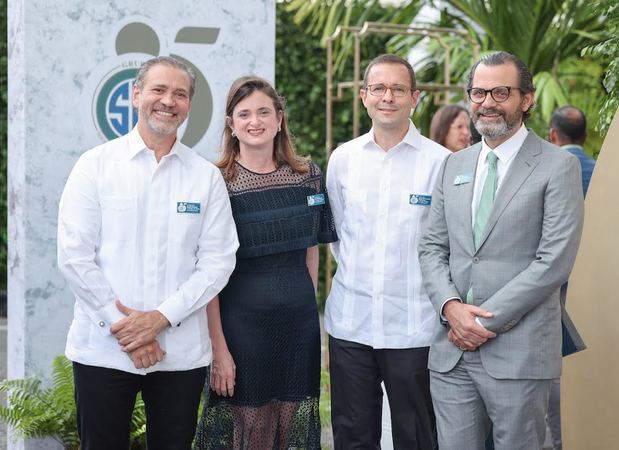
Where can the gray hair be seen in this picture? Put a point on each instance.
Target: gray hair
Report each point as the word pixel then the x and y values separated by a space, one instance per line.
pixel 165 61
pixel 524 75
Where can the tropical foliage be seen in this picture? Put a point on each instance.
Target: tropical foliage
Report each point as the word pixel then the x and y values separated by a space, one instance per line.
pixel 325 399
pixel 548 35
pixel 37 412
pixel 33 411
pixel 608 49
pixel 323 17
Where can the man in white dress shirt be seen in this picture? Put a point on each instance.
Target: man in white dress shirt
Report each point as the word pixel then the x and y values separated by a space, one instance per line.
pixel 378 316
pixel 145 239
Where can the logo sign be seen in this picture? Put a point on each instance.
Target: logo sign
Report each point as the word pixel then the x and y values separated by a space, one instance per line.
pixel 113 112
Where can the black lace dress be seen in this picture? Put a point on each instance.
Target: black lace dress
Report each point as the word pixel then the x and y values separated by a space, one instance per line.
pixel 269 315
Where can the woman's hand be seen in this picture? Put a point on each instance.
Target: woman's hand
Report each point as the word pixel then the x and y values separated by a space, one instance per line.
pixel 223 373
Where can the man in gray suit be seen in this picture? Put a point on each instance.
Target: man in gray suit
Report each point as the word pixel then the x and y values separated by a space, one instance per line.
pixel 504 231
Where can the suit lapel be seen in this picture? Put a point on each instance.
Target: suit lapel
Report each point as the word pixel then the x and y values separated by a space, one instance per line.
pixel 522 166
pixel 465 197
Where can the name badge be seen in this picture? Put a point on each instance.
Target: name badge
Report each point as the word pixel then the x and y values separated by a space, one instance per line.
pixel 187 208
pixel 316 199
pixel 463 179
pixel 420 200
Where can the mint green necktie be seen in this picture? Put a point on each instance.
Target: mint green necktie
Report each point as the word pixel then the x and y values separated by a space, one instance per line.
pixel 486 200
pixel 485 207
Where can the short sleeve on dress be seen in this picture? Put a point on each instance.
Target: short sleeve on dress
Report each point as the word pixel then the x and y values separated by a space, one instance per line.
pixel 326 225
pixel 280 211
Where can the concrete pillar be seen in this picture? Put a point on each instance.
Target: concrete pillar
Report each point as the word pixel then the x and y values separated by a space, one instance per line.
pixel 71 63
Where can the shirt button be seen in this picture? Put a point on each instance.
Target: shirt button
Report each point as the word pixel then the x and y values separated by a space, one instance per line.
pixel 476 259
pixel 102 323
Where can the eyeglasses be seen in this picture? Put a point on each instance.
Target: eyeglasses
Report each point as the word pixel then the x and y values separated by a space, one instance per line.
pixel 499 94
pixel 397 90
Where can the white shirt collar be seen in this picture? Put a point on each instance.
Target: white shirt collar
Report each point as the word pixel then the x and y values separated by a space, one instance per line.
pixel 136 145
pixel 508 149
pixel 412 138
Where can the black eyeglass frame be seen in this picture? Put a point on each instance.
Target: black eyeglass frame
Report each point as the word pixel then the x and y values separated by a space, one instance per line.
pixel 486 91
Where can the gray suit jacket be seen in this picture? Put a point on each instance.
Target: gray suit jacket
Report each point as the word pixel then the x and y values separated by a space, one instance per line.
pixel 525 255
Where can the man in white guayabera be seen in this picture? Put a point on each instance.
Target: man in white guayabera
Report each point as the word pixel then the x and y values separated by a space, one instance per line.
pixel 379 318
pixel 145 239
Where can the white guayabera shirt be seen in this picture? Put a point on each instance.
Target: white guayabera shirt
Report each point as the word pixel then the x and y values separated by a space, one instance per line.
pixel 380 202
pixel 154 235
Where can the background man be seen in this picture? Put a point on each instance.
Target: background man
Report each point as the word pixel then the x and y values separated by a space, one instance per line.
pixel 145 240
pixel 568 129
pixel 378 317
pixel 503 234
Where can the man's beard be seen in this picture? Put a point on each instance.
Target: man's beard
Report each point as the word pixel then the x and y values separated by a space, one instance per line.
pixel 495 130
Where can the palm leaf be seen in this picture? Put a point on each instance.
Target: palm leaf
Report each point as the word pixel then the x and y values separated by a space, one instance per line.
pixel 321 18
pixel 549 94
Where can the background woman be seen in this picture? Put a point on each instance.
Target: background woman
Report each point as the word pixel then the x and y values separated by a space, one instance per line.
pixel 450 127
pixel 265 375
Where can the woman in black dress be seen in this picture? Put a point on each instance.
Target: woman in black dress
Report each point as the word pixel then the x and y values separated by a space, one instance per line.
pixel 265 375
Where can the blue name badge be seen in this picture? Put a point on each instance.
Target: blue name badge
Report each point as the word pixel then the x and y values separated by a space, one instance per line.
pixel 316 199
pixel 420 200
pixel 187 208
pixel 463 178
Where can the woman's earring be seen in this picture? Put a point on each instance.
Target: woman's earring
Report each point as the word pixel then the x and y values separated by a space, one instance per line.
pixel 279 128
pixel 233 133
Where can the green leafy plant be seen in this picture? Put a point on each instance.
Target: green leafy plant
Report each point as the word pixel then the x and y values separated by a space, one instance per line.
pixel 548 35
pixel 325 399
pixel 323 17
pixel 34 411
pixel 608 49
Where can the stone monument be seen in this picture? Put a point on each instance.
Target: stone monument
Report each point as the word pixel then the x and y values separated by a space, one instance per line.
pixel 71 68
